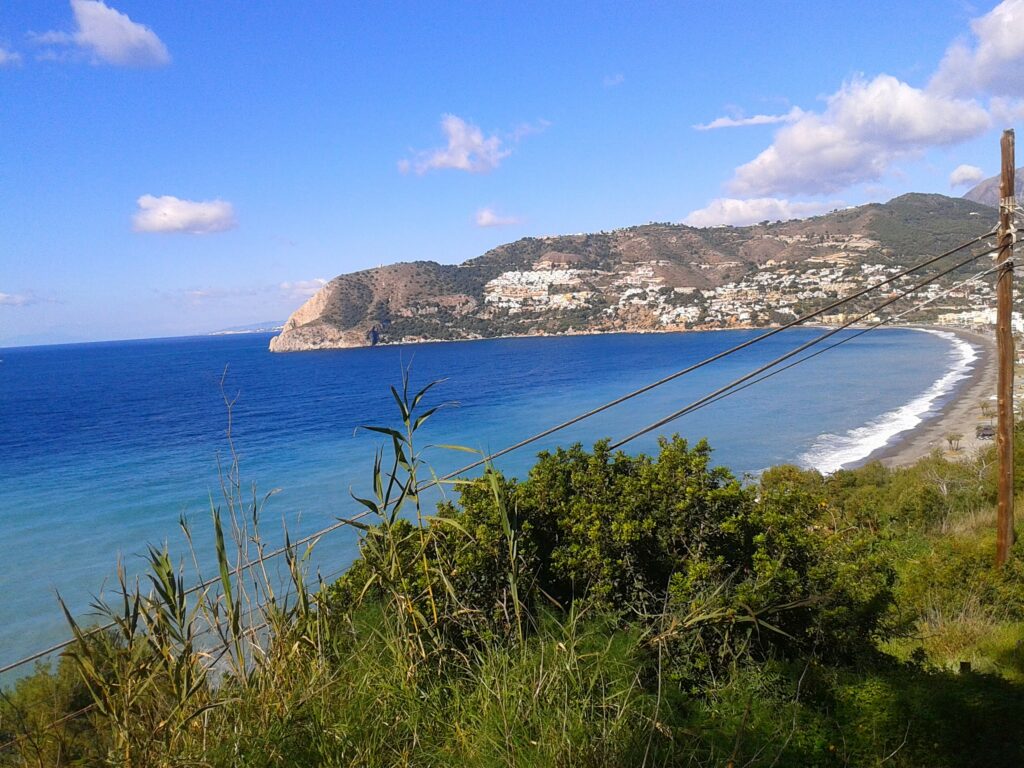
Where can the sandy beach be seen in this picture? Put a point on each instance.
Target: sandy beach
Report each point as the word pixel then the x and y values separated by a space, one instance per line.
pixel 961 414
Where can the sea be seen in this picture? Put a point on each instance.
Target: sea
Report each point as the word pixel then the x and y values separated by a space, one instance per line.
pixel 106 447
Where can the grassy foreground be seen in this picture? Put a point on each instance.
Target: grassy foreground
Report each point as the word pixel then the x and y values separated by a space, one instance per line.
pixel 606 611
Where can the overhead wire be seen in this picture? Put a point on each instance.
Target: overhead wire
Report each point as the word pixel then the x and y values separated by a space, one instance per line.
pixel 860 332
pixel 713 358
pixel 547 432
pixel 196 588
pixel 781 358
pixel 851 337
pixel 723 392
pixel 223 648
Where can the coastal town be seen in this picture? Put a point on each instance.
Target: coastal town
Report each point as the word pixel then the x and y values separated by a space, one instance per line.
pixel 774 292
pixel 663 276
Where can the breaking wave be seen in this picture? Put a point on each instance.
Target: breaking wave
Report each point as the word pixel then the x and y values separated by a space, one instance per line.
pixel 830 452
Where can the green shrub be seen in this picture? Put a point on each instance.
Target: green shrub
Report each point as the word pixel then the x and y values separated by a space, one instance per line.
pixel 736 569
pixel 606 610
pixel 29 710
pixel 956 575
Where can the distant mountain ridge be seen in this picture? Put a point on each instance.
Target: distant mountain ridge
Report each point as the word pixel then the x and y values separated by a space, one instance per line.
pixel 987 192
pixel 266 326
pixel 643 278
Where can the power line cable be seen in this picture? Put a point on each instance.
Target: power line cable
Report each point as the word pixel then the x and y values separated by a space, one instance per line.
pixel 720 394
pixel 192 590
pixel 861 332
pixel 50 726
pixel 813 342
pixel 916 308
pixel 547 432
pixel 707 361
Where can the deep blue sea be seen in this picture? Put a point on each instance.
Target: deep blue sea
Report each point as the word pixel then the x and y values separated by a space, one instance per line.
pixel 104 446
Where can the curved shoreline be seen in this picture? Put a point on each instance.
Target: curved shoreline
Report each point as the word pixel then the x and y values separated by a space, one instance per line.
pixel 959 413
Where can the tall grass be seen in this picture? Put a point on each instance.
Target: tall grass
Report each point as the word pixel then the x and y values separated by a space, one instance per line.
pixel 401 664
pixel 251 670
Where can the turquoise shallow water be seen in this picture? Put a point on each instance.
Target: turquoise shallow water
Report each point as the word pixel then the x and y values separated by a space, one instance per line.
pixel 104 446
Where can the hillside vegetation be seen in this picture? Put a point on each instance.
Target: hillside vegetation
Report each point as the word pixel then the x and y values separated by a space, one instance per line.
pixel 605 610
pixel 651 277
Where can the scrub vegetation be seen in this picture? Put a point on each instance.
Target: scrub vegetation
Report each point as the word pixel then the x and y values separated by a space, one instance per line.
pixel 605 610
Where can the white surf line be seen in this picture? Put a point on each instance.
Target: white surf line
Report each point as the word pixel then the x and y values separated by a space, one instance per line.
pixel 830 452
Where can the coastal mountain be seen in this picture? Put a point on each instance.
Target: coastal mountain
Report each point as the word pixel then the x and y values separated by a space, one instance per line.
pixel 650 277
pixel 987 192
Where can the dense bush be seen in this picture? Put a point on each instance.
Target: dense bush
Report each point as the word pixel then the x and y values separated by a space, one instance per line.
pixel 33 704
pixel 662 539
pixel 606 610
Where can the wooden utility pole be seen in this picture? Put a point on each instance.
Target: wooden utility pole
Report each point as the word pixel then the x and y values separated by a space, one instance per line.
pixel 1004 344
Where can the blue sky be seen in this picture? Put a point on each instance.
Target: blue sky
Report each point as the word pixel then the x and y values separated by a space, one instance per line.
pixel 175 168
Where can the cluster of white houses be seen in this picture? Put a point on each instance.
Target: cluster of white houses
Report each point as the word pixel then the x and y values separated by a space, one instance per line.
pixel 539 289
pixel 777 288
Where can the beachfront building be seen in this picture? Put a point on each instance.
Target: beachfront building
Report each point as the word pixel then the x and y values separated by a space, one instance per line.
pixel 978 318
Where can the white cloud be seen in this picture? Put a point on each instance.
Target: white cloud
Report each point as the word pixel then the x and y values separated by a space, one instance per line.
pixel 1006 111
pixel 727 210
pixel 110 37
pixel 864 128
pixel 529 129
pixel 262 295
pixel 213 296
pixel 302 289
pixel 467 150
pixel 488 217
pixel 170 214
pixel 198 296
pixel 993 62
pixel 965 174
pixel 9 58
pixel 735 122
pixel 612 81
pixel 18 299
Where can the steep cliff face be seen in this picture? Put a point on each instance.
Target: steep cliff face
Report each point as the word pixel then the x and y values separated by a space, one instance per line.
pixel 651 277
pixel 310 326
